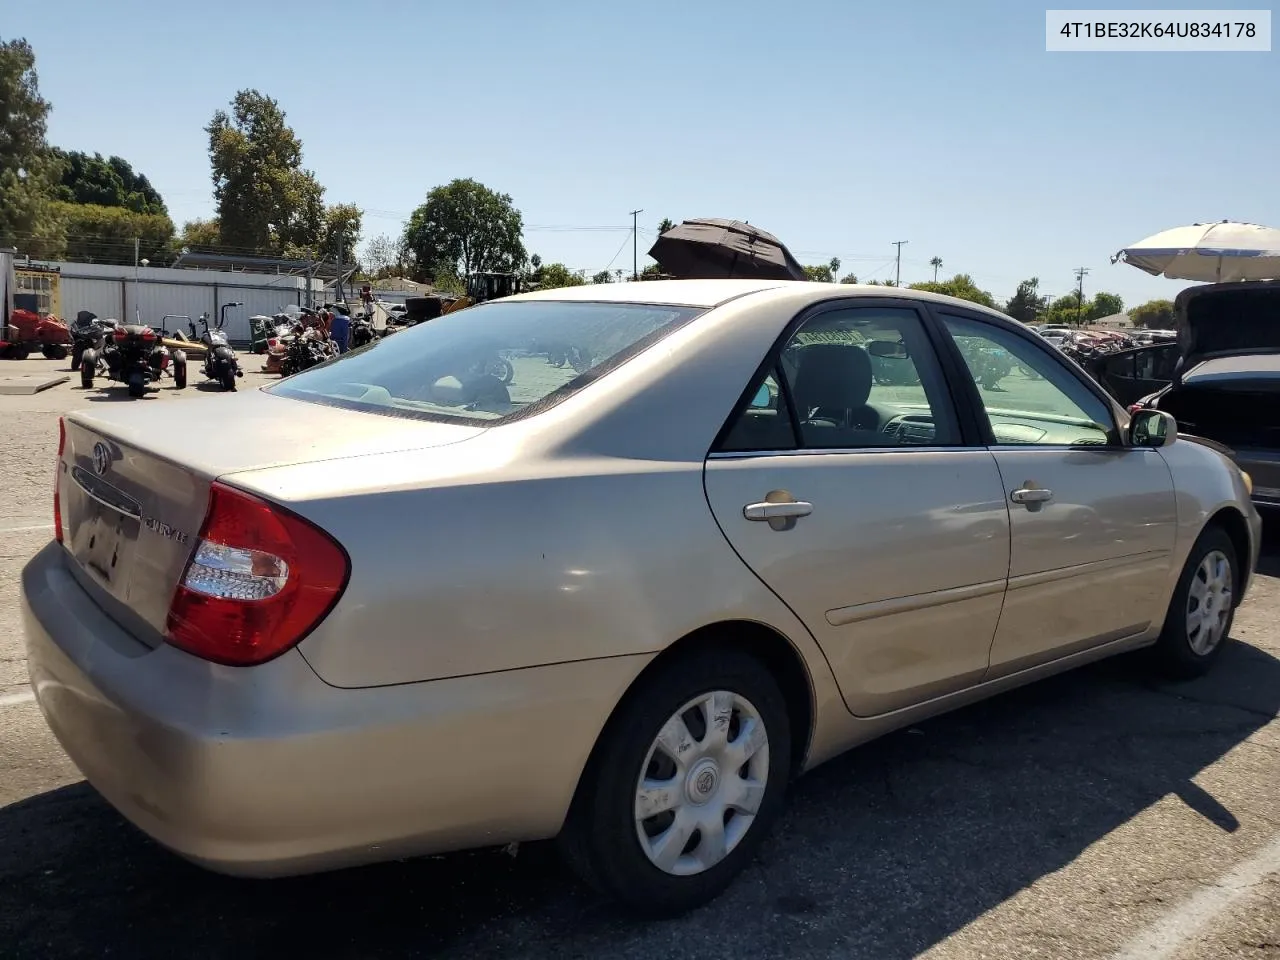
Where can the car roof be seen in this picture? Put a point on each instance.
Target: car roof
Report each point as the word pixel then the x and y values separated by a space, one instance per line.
pixel 1234 367
pixel 713 293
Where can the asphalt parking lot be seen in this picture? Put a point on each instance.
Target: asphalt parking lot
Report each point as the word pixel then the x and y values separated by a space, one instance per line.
pixel 1098 814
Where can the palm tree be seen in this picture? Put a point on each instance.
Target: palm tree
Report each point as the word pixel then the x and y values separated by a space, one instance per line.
pixel 936 263
pixel 665 225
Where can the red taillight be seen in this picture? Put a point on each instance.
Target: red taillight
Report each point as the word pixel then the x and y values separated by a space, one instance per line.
pixel 57 482
pixel 260 580
pixel 120 334
pixel 1134 408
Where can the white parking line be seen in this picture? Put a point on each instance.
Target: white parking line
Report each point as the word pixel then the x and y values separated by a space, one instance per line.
pixel 15 698
pixel 1180 926
pixel 38 526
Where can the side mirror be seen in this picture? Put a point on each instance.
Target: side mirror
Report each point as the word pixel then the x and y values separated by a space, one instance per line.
pixel 1152 428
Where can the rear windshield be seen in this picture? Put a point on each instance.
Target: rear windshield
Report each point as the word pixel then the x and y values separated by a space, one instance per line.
pixel 490 363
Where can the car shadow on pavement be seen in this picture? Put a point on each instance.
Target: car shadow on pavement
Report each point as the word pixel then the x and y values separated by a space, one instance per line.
pixel 884 852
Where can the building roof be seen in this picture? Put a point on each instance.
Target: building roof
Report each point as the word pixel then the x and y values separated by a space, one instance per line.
pixel 319 269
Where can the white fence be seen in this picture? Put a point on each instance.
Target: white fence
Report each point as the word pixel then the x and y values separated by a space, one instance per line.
pixel 113 291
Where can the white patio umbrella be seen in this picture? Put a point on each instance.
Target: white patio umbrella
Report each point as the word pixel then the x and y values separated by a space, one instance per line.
pixel 1212 252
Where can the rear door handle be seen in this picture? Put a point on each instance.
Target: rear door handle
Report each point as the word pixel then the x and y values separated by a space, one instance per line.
pixel 1031 495
pixel 777 511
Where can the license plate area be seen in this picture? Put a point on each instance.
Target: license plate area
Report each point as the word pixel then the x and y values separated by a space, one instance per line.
pixel 109 530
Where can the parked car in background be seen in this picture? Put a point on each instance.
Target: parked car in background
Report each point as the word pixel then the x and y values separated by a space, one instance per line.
pixel 1224 384
pixel 624 602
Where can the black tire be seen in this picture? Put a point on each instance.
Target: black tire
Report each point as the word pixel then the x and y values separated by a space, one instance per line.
pixel 600 840
pixel 228 379
pixel 180 375
pixel 54 351
pixel 137 385
pixel 77 354
pixel 88 366
pixel 21 351
pixel 1174 654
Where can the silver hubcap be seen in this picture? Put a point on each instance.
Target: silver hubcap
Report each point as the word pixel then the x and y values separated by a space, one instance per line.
pixel 702 783
pixel 1209 603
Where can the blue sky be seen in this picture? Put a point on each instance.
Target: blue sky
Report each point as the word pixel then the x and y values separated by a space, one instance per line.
pixel 839 126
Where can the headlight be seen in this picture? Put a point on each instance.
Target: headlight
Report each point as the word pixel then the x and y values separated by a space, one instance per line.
pixel 1248 482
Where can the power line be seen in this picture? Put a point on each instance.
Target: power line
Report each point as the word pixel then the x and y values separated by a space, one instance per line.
pixel 635 244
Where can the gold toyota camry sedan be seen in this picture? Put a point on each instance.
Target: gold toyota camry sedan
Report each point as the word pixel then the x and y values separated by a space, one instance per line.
pixel 611 564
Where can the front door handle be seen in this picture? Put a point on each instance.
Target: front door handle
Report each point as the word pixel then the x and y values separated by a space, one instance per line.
pixel 1031 495
pixel 777 511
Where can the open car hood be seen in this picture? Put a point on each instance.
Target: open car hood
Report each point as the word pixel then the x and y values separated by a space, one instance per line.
pixel 1218 318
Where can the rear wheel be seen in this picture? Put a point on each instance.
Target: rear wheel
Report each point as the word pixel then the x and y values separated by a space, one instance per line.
pixel 1203 607
pixel 77 354
pixel 137 384
pixel 180 374
pixel 54 351
pixel 685 782
pixel 228 379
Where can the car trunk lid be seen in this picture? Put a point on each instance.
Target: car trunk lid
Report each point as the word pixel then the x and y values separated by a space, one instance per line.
pixel 134 481
pixel 1241 317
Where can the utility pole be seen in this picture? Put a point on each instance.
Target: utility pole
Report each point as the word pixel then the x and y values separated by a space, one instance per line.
pixel 1080 274
pixel 339 291
pixel 137 310
pixel 897 277
pixel 635 245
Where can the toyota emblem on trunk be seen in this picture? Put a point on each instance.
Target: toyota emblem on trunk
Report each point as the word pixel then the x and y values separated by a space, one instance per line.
pixel 101 458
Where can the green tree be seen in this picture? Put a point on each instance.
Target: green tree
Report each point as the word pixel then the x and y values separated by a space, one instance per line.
pixel 603 276
pixel 820 273
pixel 1064 311
pixel 107 182
pixel 200 236
pixel 1153 315
pixel 936 263
pixel 1026 303
pixel 98 234
pixel 28 170
pixel 340 232
pixel 551 276
pixel 849 278
pixel 465 227
pixel 961 286
pixel 1104 305
pixel 665 225
pixel 265 199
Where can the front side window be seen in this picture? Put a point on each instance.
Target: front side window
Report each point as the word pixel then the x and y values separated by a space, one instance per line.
pixel 1029 395
pixel 857 377
pixel 489 363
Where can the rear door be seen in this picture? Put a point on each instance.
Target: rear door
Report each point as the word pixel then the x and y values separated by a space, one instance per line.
pixel 1093 521
pixel 846 483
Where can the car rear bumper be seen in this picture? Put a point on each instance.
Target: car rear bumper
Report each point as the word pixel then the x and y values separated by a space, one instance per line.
pixel 268 771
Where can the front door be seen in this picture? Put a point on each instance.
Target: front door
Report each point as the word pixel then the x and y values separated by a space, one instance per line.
pixel 1093 521
pixel 845 486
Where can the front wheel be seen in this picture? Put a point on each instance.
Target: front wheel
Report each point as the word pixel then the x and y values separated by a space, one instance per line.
pixel 88 367
pixel 180 374
pixel 54 351
pixel 685 782
pixel 1203 607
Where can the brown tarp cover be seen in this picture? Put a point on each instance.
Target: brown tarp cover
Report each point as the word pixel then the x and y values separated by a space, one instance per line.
pixel 709 248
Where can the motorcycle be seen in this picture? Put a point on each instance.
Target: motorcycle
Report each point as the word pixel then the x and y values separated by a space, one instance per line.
pixel 88 332
pixel 362 331
pixel 305 348
pixel 219 358
pixel 135 355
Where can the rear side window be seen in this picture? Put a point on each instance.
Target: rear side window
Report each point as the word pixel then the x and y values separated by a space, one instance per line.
pixel 488 364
